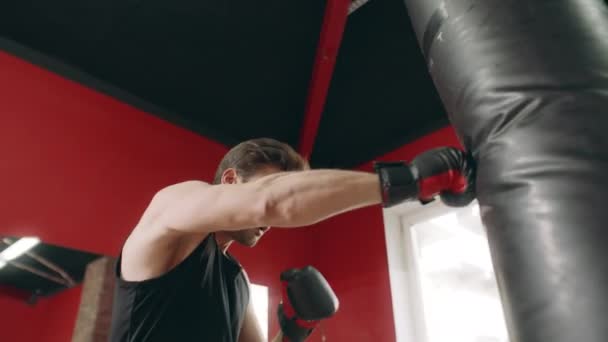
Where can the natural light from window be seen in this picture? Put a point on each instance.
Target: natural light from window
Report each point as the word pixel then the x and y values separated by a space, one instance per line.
pixel 259 299
pixel 459 292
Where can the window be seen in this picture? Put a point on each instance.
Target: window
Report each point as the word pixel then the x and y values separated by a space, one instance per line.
pixel 259 299
pixel 441 271
pixel 459 292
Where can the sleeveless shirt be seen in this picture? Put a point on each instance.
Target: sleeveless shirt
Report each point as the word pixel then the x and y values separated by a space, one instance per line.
pixel 204 298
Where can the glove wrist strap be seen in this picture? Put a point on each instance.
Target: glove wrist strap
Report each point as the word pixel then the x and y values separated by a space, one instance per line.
pixel 294 330
pixel 397 182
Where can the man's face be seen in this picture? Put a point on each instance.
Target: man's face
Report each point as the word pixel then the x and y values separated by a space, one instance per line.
pixel 250 237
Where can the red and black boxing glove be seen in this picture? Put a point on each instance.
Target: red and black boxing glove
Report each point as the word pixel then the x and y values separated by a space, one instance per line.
pixel 307 299
pixel 447 172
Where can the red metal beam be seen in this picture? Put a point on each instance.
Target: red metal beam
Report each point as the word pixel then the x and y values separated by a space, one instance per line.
pixel 334 21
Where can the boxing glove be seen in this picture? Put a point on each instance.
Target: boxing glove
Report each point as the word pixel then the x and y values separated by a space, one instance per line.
pixel 446 171
pixel 307 298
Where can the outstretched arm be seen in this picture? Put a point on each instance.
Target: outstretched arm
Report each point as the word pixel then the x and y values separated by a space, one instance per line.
pixel 291 199
pixel 286 199
pixel 302 198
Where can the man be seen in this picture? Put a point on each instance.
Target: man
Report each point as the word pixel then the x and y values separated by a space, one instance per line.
pixel 176 281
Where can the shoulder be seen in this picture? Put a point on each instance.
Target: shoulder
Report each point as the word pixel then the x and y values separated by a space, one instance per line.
pixel 181 188
pixel 174 192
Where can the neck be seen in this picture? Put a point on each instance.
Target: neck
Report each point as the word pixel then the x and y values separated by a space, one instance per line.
pixel 223 241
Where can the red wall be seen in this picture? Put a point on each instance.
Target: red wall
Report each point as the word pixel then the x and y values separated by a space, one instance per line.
pixel 78 168
pixel 50 320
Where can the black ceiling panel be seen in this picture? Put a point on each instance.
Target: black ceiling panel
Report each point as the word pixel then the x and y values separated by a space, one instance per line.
pixel 381 95
pixel 237 67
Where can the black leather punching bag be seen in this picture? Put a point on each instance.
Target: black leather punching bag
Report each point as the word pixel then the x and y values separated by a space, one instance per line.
pixel 525 83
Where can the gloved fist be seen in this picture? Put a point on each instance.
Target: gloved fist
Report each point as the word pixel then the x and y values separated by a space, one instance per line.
pixel 307 299
pixel 446 171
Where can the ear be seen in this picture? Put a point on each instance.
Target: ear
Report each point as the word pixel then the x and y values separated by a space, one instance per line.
pixel 229 176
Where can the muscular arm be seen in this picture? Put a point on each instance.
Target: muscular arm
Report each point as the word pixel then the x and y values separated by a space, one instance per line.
pixel 251 332
pixel 287 199
pixel 180 216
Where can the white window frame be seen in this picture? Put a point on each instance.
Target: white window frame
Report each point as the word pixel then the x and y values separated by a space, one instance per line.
pixel 406 289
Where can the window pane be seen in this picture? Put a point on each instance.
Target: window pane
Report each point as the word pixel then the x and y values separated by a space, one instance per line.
pixel 259 299
pixel 460 295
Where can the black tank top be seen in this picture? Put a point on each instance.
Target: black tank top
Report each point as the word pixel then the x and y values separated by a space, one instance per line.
pixel 204 298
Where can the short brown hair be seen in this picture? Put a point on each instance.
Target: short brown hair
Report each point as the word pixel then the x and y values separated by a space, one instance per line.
pixel 249 156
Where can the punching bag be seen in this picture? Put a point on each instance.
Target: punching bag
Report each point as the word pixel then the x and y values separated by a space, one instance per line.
pixel 525 85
